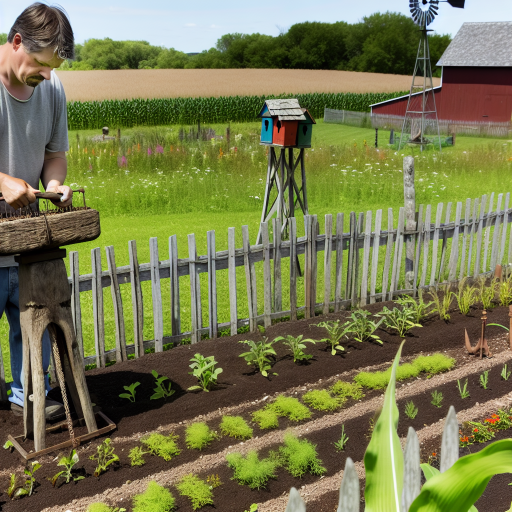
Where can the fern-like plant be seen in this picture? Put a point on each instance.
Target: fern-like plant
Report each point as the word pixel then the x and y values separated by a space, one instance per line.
pixel 466 296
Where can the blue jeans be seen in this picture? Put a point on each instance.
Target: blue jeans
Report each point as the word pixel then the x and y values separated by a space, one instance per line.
pixel 9 302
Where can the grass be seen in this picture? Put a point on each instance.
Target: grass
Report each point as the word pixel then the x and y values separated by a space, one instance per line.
pixel 299 457
pixel 322 400
pixel 199 435
pixel 251 470
pixel 154 499
pixel 197 490
pixel 290 408
pixel 163 446
pixel 235 426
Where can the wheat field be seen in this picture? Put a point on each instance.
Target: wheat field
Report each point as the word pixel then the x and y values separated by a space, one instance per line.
pixel 175 83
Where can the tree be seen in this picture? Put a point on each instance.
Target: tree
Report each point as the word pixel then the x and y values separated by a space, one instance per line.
pixel 3 38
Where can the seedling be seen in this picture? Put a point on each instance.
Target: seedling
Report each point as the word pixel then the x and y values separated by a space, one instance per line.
pixel 464 393
pixel 505 373
pixel 161 391
pixel 340 445
pixel 136 456
pixel 265 418
pixel 296 345
pixel 260 355
pixel 235 426
pixel 252 508
pixel 69 463
pixel 163 446
pixel 213 481
pixel 199 435
pixel 104 457
pixel 252 471
pixel 203 368
pixel 335 332
pixel 466 296
pixel 321 400
pixel 290 407
pixel 484 379
pixel 17 490
pixel 9 446
pixel 400 320
pixel 299 457
pixel 155 498
pixel 441 306
pixel 411 410
pixel 487 293
pixel 344 389
pixel 197 490
pixel 362 327
pixel 505 292
pixel 419 307
pixel 131 391
pixel 437 398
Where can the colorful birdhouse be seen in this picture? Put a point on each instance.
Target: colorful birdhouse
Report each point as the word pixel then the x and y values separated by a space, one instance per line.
pixel 283 117
pixel 305 129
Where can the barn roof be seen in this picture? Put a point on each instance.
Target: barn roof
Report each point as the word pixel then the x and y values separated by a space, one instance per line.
pixel 480 44
pixel 285 110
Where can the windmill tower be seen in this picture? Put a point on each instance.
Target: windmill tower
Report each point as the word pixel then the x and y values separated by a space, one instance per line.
pixel 420 119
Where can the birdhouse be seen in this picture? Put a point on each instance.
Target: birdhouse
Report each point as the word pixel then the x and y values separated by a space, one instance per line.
pixel 305 129
pixel 283 118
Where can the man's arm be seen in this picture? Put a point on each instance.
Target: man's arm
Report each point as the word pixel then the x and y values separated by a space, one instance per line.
pixel 17 193
pixel 55 169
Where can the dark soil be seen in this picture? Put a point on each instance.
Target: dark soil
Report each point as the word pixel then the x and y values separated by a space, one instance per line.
pixel 238 384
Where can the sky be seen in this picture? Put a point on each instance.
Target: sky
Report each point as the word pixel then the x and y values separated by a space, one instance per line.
pixel 197 26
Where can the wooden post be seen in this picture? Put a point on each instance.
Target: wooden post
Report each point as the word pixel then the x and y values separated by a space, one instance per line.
pixel 410 222
pixel 376 137
pixel 158 319
pixel 510 327
pixel 137 303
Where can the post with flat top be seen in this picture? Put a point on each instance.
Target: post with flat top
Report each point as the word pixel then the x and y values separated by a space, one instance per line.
pixel 410 220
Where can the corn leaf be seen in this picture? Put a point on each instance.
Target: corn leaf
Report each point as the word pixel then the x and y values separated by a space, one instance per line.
pixel 461 485
pixel 384 460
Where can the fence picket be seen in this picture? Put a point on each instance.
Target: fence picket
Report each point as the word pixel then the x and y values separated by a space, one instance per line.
pixel 487 233
pixel 233 314
pixel 327 262
pixel 295 502
pixel 293 268
pixel 192 257
pixel 76 310
pixel 467 216
pixel 375 255
pixel 277 291
pixel 449 441
pixel 483 202
pixel 495 235
pixel 454 253
pixel 435 244
pixel 267 281
pixel 213 330
pixel 387 259
pixel 137 302
pixel 418 242
pixel 366 258
pixel 351 254
pixel 349 496
pixel 314 262
pixel 156 293
pixel 427 229
pixel 445 242
pixel 474 223
pixel 412 471
pixel 97 308
pixel 355 266
pixel 504 229
pixel 175 286
pixel 397 256
pixel 249 281
pixel 339 261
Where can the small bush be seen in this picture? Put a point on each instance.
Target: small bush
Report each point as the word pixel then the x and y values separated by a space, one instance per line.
pixel 199 435
pixel 235 426
pixel 321 400
pixel 136 456
pixel 436 363
pixel 344 389
pixel 265 418
pixel 163 446
pixel 197 490
pixel 250 470
pixel 290 407
pixel 299 457
pixel 155 499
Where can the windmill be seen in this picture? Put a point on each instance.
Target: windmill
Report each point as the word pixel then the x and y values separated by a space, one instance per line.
pixel 421 114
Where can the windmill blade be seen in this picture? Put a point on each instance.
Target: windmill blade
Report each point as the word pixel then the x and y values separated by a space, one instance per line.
pixel 457 3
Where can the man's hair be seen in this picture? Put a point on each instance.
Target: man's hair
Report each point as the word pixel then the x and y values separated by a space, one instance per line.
pixel 41 26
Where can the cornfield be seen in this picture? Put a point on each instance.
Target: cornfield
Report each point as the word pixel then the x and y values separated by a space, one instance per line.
pixel 153 112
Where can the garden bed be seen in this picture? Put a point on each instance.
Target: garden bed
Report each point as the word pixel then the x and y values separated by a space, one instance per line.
pixel 241 391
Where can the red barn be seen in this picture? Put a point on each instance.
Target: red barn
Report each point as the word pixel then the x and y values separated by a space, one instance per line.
pixel 476 82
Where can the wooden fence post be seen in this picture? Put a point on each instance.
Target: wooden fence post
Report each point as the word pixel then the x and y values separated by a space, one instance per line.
pixel 137 302
pixel 97 308
pixel 212 285
pixel 75 299
pixel 410 222
pixel 233 315
pixel 158 320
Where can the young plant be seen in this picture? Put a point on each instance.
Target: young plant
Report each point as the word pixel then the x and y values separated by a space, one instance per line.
pixel 418 307
pixel 344 389
pixel 213 481
pixel 235 426
pixel 203 368
pixel 481 433
pixel 163 446
pixel 411 410
pixel 441 306
pixel 17 489
pixel 265 418
pixel 155 499
pixel 131 391
pixel 161 391
pixel 466 296
pixel 69 463
pixel 437 398
pixel 362 327
pixel 484 379
pixel 9 446
pixel 342 442
pixel 104 457
pixel 136 456
pixel 505 292
pixel 335 333
pixel 505 373
pixel 296 345
pixel 196 490
pixel 399 320
pixel 250 470
pixel 290 407
pixel 199 435
pixel 321 400
pixel 487 293
pixel 299 457
pixel 101 507
pixel 260 355
pixel 463 390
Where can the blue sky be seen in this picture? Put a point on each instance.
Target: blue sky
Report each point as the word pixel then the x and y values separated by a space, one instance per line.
pixel 198 25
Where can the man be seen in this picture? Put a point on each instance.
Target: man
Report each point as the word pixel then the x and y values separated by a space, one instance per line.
pixel 33 142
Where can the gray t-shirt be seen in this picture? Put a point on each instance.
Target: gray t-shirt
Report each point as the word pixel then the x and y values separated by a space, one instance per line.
pixel 28 128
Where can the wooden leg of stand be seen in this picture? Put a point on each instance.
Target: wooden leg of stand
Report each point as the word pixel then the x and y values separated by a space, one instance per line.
pixel 28 410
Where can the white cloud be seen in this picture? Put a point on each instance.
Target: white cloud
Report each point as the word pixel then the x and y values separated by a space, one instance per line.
pixel 190 25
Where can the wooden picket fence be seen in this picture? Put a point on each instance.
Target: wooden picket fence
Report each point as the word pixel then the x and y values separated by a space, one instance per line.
pixel 349 496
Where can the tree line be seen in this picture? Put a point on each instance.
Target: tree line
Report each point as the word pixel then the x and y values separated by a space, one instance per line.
pixel 379 43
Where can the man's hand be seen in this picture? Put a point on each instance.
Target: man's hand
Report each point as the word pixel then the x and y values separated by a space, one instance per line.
pixel 67 194
pixel 17 193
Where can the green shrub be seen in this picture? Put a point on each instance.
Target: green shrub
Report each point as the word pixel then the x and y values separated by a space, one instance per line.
pixel 197 490
pixel 155 499
pixel 250 470
pixel 163 446
pixel 290 407
pixel 198 435
pixel 100 507
pixel 299 457
pixel 265 418
pixel 136 456
pixel 235 426
pixel 436 363
pixel 344 389
pixel 321 400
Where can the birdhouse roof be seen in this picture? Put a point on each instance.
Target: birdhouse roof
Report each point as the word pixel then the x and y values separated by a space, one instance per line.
pixel 309 117
pixel 284 110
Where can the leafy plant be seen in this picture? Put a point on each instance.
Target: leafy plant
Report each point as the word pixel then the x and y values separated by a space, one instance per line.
pixel 487 293
pixel 154 499
pixel 235 426
pixel 131 391
pixel 441 306
pixel 299 457
pixel 481 433
pixel 199 435
pixel 344 389
pixel 335 331
pixel 17 489
pixel 411 410
pixel 265 418
pixel 505 292
pixel 505 372
pixel 321 400
pixel 197 490
pixel 437 398
pixel 290 407
pixel 252 508
pixel 400 320
pixel 213 481
pixel 418 307
pixel 342 442
pixel 484 379
pixel 466 296
pixel 260 354
pixel 136 456
pixel 161 391
pixel 104 457
pixel 9 446
pixel 296 345
pixel 163 446
pixel 463 390
pixel 203 368
pixel 252 471
pixel 69 463
pixel 362 327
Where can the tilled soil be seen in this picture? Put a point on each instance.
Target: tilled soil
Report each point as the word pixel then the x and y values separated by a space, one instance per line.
pixel 240 389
